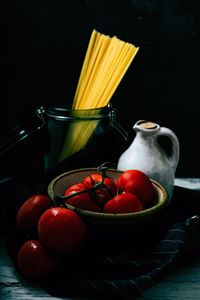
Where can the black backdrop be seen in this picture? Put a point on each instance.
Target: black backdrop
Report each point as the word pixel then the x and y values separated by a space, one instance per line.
pixel 43 45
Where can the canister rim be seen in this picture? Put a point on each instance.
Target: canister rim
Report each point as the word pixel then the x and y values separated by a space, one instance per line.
pixel 63 113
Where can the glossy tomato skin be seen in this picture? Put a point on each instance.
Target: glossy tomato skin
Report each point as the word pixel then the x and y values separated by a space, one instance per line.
pixel 107 191
pixel 30 212
pixel 34 261
pixel 84 200
pixel 123 203
pixel 61 230
pixel 138 183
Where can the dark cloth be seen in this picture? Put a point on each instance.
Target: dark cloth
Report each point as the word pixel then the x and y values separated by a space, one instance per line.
pixel 116 265
pixel 126 277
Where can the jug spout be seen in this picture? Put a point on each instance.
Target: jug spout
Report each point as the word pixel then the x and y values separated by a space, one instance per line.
pixel 145 126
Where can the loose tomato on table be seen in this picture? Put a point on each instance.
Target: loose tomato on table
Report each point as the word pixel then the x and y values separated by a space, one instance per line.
pixel 34 261
pixel 123 203
pixel 138 183
pixel 30 212
pixel 61 230
pixel 107 191
pixel 83 200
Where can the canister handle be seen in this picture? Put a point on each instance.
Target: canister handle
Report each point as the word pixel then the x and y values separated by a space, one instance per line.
pixel 40 113
pixel 20 134
pixel 117 126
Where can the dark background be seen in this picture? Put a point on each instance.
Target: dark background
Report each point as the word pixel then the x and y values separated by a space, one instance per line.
pixel 43 44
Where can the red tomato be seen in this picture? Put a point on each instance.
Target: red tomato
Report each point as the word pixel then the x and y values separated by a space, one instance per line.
pixel 61 230
pixel 138 183
pixel 123 203
pixel 35 261
pixel 106 192
pixel 84 200
pixel 30 212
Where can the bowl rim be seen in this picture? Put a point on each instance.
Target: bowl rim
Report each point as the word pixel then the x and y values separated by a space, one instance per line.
pixel 148 211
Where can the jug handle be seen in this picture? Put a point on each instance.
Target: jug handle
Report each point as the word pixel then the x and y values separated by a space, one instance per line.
pixel 22 134
pixel 174 157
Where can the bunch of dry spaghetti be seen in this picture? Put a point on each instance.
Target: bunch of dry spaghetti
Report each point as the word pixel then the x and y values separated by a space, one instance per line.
pixel 106 61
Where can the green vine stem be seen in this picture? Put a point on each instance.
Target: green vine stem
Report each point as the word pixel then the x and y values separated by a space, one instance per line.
pixel 61 200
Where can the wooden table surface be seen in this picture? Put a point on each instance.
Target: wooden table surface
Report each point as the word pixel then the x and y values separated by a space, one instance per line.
pixel 181 283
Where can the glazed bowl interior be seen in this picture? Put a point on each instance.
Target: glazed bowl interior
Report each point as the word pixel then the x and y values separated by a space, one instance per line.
pixel 107 221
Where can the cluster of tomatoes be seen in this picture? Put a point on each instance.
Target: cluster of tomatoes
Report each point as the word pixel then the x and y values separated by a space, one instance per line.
pixel 131 193
pixel 61 231
pixel 53 231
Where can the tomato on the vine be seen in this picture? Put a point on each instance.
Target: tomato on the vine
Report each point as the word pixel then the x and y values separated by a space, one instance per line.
pixel 84 200
pixel 107 191
pixel 138 183
pixel 123 203
pixel 61 230
pixel 34 261
pixel 30 212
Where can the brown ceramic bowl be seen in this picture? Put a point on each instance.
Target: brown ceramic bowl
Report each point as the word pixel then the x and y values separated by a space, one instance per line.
pixel 107 221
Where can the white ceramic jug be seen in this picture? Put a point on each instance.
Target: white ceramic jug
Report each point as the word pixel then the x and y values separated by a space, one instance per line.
pixel 146 154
